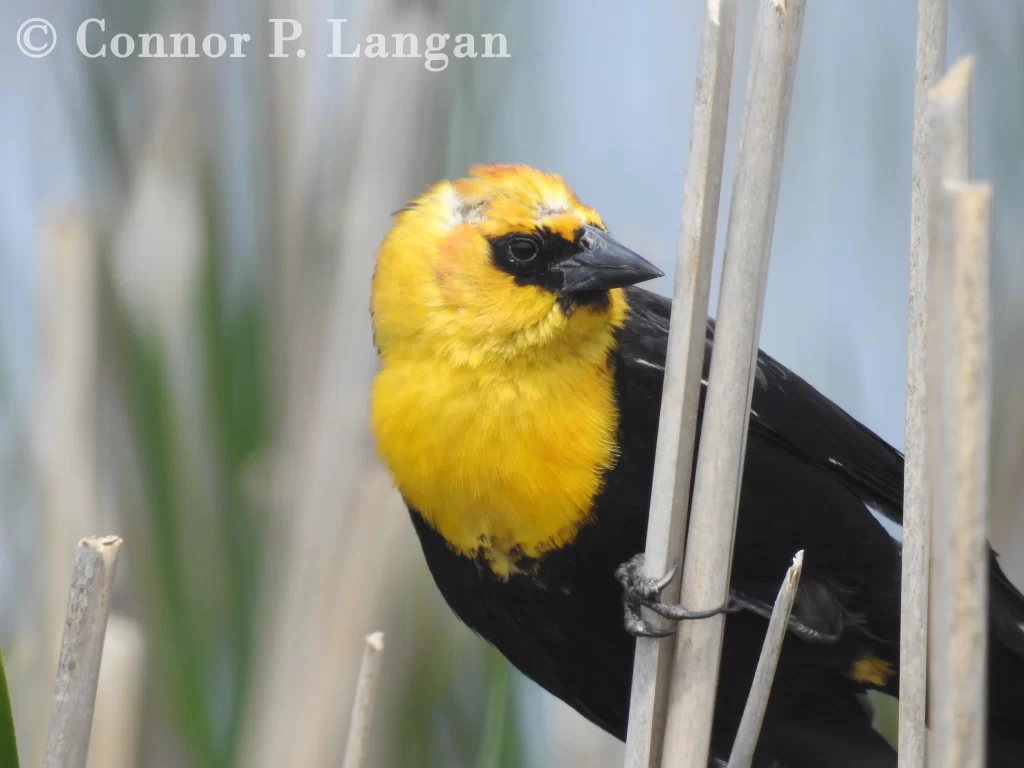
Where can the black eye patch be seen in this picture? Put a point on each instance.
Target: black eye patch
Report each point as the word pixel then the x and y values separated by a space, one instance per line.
pixel 528 256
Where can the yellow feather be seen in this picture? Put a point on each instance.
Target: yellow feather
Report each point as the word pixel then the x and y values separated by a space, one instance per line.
pixel 494 410
pixel 873 671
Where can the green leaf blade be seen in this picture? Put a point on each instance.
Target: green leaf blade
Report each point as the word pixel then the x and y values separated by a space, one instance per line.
pixel 8 742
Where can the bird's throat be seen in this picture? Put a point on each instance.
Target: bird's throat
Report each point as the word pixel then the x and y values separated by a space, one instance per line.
pixel 504 464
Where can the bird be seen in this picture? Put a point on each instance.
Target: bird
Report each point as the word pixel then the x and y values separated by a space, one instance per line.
pixel 516 406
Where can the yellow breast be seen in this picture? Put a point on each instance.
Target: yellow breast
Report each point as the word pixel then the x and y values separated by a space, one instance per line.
pixel 503 462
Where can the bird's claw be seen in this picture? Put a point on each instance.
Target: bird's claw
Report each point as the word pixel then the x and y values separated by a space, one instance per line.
pixel 637 626
pixel 641 590
pixel 638 587
pixel 678 613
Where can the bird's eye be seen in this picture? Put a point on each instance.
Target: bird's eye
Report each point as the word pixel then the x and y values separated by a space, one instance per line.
pixel 522 250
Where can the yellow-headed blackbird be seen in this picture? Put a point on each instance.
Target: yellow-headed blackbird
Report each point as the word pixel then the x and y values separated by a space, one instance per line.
pixel 517 408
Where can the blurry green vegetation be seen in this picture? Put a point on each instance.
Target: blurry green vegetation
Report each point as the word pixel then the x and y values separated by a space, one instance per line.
pixel 208 647
pixel 201 600
pixel 500 746
pixel 8 744
pixel 443 722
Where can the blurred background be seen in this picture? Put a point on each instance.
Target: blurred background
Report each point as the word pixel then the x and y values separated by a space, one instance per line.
pixel 185 353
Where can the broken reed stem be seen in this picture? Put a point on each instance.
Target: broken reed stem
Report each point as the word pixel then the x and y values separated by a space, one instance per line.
pixel 708 560
pixel 965 708
pixel 743 746
pixel 931 57
pixel 361 721
pixel 666 526
pixel 78 670
pixel 948 116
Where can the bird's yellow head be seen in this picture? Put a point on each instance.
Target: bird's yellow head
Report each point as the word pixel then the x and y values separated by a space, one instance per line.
pixel 506 265
pixel 495 304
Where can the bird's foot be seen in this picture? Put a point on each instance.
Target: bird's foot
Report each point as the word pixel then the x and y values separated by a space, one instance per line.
pixel 640 590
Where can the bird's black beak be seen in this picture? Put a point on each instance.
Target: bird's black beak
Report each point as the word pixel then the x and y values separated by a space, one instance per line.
pixel 603 264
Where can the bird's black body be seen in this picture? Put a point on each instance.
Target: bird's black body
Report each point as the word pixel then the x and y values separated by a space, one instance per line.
pixel 811 474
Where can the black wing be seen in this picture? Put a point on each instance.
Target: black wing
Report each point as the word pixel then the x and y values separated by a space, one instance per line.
pixel 789 413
